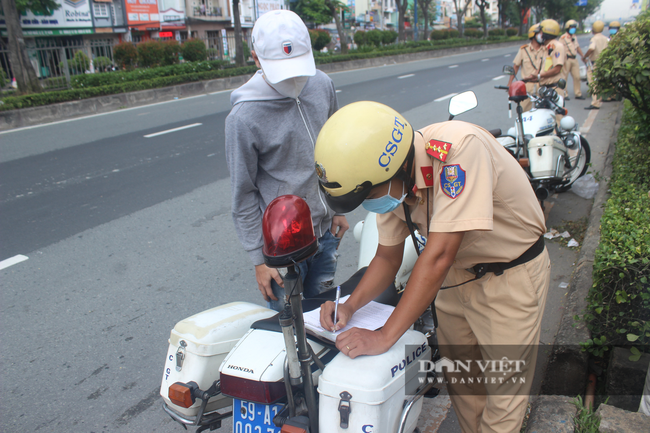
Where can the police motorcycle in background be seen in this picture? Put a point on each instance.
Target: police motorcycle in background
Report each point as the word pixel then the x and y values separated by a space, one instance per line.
pixel 554 156
pixel 261 368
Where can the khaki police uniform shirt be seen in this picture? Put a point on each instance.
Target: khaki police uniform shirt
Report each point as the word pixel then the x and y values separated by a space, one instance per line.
pixel 555 55
pixel 529 60
pixel 570 44
pixel 480 190
pixel 598 43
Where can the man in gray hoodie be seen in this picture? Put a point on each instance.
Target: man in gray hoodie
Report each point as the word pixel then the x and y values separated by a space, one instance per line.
pixel 270 137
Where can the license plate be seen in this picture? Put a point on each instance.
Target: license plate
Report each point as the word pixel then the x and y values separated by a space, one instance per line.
pixel 249 417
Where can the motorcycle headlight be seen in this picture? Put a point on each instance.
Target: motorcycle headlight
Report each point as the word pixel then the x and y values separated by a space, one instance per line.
pixel 567 123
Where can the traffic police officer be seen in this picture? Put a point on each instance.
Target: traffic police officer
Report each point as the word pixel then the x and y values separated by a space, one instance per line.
pixel 614 27
pixel 529 59
pixel 572 48
pixel 484 227
pixel 551 71
pixel 597 44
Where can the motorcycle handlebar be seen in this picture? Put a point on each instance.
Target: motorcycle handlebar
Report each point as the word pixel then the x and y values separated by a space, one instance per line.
pixel 501 87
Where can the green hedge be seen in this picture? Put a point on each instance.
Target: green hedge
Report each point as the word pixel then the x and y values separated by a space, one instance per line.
pixel 618 311
pixel 100 84
pixel 37 99
pixel 108 78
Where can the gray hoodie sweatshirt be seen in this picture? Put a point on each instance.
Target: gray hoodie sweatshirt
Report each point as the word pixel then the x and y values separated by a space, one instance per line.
pixel 270 152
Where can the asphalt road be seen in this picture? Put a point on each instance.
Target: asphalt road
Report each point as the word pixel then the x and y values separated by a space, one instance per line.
pixel 126 235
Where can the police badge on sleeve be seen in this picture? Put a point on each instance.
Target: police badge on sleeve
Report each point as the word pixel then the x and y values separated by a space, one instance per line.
pixel 452 180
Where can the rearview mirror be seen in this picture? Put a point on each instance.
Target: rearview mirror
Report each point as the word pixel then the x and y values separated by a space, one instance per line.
pixel 462 103
pixel 508 70
pixel 561 83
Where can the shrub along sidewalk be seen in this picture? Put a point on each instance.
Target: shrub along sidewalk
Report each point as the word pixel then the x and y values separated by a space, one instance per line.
pixel 618 311
pixel 110 83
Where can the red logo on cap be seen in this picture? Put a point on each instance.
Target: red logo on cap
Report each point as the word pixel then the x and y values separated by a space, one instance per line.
pixel 287 48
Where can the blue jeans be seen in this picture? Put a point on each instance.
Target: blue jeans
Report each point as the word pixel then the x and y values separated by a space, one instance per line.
pixel 317 272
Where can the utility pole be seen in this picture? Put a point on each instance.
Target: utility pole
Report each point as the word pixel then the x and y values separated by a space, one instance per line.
pixel 415 18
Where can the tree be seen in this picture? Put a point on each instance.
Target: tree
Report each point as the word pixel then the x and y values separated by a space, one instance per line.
pixel 402 5
pixel 21 67
pixel 503 9
pixel 482 4
pixel 460 13
pixel 239 43
pixel 334 7
pixel 426 7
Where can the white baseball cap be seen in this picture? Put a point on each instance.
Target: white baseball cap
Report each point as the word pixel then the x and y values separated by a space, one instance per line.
pixel 283 46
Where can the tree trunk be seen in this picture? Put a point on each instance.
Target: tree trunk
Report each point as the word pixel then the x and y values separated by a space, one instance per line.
pixel 239 44
pixel 484 21
pixel 20 65
pixel 339 27
pixel 401 9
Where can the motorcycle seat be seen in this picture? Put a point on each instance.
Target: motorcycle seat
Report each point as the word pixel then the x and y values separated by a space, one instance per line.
pixel 388 297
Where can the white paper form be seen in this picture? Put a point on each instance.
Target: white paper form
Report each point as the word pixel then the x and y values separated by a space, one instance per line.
pixel 371 316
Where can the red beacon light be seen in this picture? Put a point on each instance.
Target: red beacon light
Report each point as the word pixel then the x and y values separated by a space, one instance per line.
pixel 288 232
pixel 517 91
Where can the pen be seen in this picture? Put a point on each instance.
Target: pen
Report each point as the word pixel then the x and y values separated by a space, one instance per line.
pixel 336 306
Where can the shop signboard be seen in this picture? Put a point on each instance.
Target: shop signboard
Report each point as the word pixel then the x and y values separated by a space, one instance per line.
pixel 264 6
pixel 142 14
pixel 71 14
pixel 172 13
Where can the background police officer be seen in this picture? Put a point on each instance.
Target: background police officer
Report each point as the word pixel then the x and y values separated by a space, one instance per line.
pixel 529 59
pixel 551 71
pixel 571 65
pixel 596 46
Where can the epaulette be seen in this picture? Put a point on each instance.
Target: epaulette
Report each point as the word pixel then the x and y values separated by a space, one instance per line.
pixel 438 149
pixel 523 46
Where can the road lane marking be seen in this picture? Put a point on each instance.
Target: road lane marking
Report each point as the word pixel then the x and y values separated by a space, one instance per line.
pixel 406 76
pixel 180 128
pixel 498 78
pixel 590 121
pixel 120 110
pixel 12 261
pixel 453 66
pixel 485 60
pixel 442 98
pixel 338 91
pixel 507 55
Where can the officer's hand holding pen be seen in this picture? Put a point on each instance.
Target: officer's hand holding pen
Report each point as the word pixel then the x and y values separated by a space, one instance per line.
pixel 344 314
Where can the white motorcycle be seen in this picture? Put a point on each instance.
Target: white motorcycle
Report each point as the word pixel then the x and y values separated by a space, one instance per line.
pixel 264 370
pixel 554 156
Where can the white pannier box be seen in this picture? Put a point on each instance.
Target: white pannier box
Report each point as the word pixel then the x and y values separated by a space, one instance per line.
pixel 198 345
pixel 544 154
pixel 375 388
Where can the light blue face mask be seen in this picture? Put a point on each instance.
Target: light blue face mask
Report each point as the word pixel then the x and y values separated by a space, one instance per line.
pixel 572 31
pixel 383 204
pixel 612 31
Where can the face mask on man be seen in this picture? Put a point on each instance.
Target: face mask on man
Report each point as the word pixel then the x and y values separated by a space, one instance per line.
pixel 612 32
pixel 384 204
pixel 290 87
pixel 572 31
pixel 539 38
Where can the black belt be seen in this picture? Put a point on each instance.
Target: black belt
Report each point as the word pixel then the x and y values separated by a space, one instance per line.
pixel 498 268
pixel 571 57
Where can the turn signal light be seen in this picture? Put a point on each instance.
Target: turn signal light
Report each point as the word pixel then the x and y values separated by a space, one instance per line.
pixel 181 395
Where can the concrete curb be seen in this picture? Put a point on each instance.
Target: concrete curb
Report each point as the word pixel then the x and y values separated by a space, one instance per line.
pixel 105 104
pixel 567 369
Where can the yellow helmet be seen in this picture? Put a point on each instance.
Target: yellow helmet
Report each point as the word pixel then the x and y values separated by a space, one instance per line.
pixel 614 25
pixel 570 23
pixel 550 29
pixel 364 144
pixel 533 30
pixel 597 26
